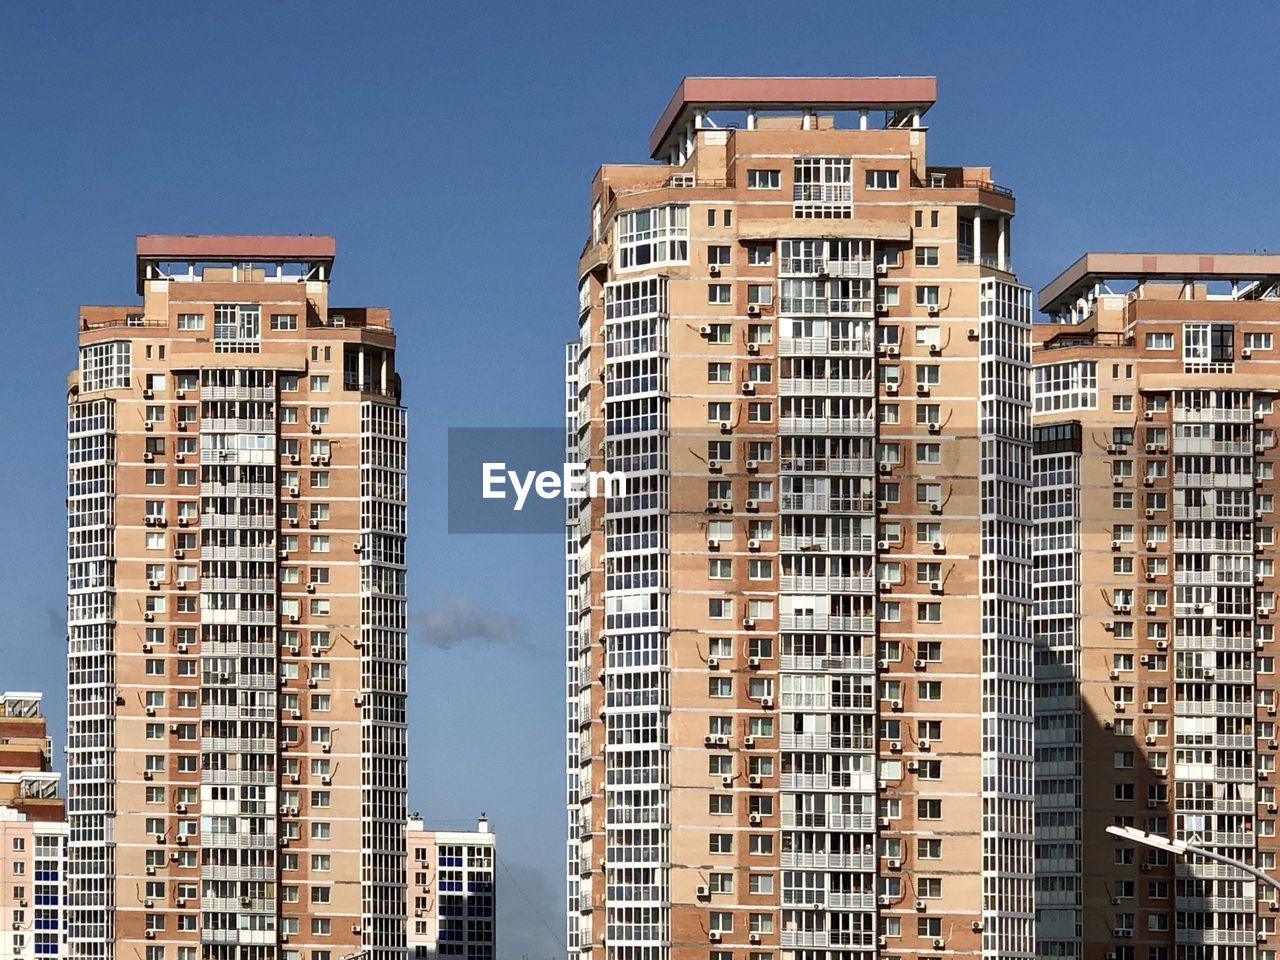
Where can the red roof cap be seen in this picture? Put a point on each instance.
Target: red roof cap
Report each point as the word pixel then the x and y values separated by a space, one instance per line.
pixel 212 247
pixel 780 93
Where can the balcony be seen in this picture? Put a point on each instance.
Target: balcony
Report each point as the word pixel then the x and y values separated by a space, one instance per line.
pixel 810 584
pixel 791 387
pixel 828 426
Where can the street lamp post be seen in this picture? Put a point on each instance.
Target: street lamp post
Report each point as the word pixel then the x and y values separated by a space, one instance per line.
pixel 1181 848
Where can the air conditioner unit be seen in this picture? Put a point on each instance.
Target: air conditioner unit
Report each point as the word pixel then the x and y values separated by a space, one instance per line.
pixel 312 682
pixel 713 505
pixel 753 309
pixel 149 934
pixel 183 521
pixel 748 623
pixel 753 347
pixel 748 387
pixel 714 936
pixel 179 554
pixel 159 838
pixel 886 467
pixel 753 544
pixel 180 457
pixel 893 863
pixel 713 663
pixel 713 544
pixel 882 545
pixel 753 819
pixel 153 584
pixel 713 269
pixel 753 505
pixel 148 425
pixel 753 466
pixel 1149 513
pixel 939 546
pixel 753 938
pixel 976 926
pixel 315 460
pixel 1117 481
pixel 702 892
pixel 748 741
pixel 753 663
pixel 924 745
pixel 180 394
pixel 939 943
pixel 148 457
pixel 891 388
pixel 726 426
pixel 726 781
pixel 934 427
pixel 754 780
pixel 1162 644
pixel 714 466
pixel 1246 353
pixel 882 269
pixel 935 507
pixel 151 870
pixel 883 823
pixel 895 704
pixel 766 702
pixel 922 389
pixel 920 905
pixel 181 901
pixel 935 586
pixel 920 664
pixel 705 330
pixel 148 616
pixel 934 309
pixel 912 766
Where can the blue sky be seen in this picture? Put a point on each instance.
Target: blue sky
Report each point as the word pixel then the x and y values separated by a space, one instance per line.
pixel 450 148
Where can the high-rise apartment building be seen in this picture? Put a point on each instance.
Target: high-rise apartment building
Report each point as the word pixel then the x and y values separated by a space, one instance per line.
pixel 236 558
pixel 33 836
pixel 799 642
pixel 451 891
pixel 1155 601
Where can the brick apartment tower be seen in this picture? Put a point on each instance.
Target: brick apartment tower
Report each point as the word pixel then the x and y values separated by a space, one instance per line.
pixel 236 551
pixel 1155 542
pixel 33 835
pixel 452 891
pixel 799 648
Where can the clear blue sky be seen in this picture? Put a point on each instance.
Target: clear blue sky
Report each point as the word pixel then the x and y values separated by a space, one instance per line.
pixel 450 148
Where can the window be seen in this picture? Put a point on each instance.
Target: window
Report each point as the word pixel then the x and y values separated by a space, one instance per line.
pixel 1159 341
pixel 719 293
pixel 759 255
pixel 720 373
pixel 319 383
pixel 764 179
pixel 887 295
pixel 926 256
pixel 105 366
pixel 236 327
pixel 1257 341
pixel 191 321
pixel 719 255
pixel 760 294
pixel 284 321
pixel 882 180
pixel 720 804
pixel 655 235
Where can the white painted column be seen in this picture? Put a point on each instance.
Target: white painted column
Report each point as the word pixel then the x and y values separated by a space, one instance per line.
pixel 862 119
pixel 383 373
pixel 360 369
pixel 751 118
pixel 977 236
pixel 1002 261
